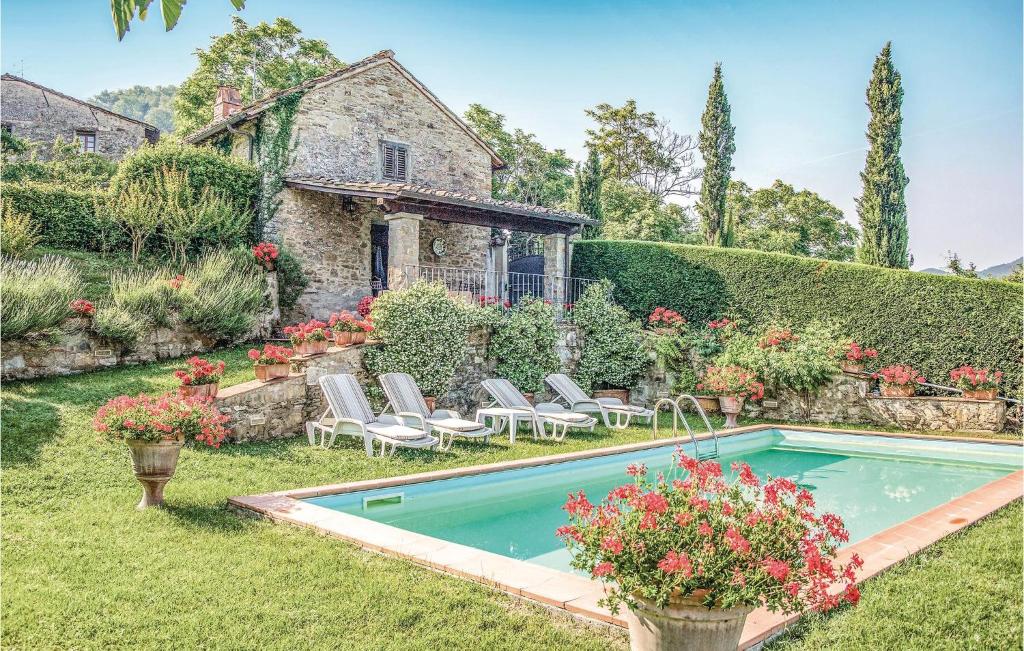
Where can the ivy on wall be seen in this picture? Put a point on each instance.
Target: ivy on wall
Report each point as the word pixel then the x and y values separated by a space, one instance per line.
pixel 274 145
pixel 524 345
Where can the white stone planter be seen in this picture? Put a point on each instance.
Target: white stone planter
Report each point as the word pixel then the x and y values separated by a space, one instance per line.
pixel 684 624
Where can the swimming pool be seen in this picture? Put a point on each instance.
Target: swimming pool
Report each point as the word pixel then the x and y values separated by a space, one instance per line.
pixel 873 482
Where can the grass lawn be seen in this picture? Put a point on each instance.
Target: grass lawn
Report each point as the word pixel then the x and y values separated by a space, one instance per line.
pixel 82 569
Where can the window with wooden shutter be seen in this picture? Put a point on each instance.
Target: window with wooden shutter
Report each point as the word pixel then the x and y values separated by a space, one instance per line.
pixel 394 161
pixel 86 141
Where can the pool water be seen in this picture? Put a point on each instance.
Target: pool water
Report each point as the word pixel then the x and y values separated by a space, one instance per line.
pixel 872 482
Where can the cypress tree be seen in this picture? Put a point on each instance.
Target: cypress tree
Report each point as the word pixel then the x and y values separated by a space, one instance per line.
pixel 717 145
pixel 588 193
pixel 882 206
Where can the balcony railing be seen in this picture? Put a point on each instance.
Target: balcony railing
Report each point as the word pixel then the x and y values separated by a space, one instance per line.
pixel 503 289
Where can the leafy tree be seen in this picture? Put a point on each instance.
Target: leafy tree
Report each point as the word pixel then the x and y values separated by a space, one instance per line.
pixel 1016 275
pixel 882 205
pixel 631 213
pixel 152 104
pixel 587 192
pixel 958 268
pixel 782 220
pixel 643 150
pixel 125 11
pixel 717 145
pixel 532 174
pixel 256 60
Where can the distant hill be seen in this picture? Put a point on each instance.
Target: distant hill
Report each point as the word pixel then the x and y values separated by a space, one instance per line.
pixel 995 271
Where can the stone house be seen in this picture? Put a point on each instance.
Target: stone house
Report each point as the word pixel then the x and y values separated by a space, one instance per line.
pixel 39 114
pixel 384 184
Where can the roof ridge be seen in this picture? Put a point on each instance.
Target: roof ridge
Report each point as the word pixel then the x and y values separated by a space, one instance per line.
pixel 77 100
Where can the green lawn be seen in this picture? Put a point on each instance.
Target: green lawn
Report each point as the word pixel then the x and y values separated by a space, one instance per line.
pixel 82 569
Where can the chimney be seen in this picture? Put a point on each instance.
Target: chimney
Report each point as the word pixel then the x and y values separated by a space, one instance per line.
pixel 228 101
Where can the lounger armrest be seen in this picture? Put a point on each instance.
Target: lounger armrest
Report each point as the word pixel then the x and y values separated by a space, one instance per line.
pixel 412 419
pixel 589 402
pixel 344 425
pixel 611 402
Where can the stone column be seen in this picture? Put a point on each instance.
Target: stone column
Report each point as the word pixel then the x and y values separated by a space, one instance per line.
pixel 403 248
pixel 554 268
pixel 499 269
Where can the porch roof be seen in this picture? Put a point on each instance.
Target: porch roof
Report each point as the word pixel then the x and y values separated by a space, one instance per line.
pixel 448 205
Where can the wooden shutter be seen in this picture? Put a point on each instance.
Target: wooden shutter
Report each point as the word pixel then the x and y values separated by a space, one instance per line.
pixel 401 153
pixel 394 162
pixel 389 160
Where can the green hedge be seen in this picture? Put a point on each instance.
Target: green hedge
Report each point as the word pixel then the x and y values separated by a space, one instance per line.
pixel 935 323
pixel 66 216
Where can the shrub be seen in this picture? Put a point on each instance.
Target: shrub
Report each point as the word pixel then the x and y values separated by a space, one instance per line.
pixel 68 167
pixel 291 281
pixel 222 294
pixel 782 359
pixel 739 543
pixel 36 295
pixel 135 210
pixel 117 324
pixel 148 296
pixel 524 345
pixel 613 353
pixel 423 332
pixel 66 216
pixel 936 322
pixel 19 235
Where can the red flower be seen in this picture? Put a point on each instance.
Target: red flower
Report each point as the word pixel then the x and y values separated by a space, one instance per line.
pixel 674 563
pixel 82 307
pixel 777 569
pixel 603 569
pixel 636 469
pixel 266 253
pixel 611 544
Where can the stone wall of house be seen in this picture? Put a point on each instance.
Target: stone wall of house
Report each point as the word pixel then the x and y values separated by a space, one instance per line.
pixel 79 351
pixel 339 129
pixel 466 245
pixel 41 116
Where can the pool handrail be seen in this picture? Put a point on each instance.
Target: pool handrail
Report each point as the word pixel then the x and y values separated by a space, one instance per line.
pixel 677 414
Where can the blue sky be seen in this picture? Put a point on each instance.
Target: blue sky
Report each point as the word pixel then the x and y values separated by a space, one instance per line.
pixel 795 74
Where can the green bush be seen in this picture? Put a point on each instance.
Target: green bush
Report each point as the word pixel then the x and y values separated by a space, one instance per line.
pixel 117 324
pixel 423 332
pixel 935 323
pixel 291 280
pixel 222 294
pixel 67 167
pixel 19 235
pixel 148 295
pixel 613 355
pixel 208 171
pixel 36 295
pixel 524 345
pixel 803 363
pixel 66 216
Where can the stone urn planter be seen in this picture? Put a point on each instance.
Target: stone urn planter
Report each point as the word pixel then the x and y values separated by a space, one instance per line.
pixel 981 394
pixel 896 390
pixel 358 337
pixel 731 406
pixel 709 404
pixel 621 394
pixel 268 372
pixel 343 338
pixel 154 463
pixel 684 624
pixel 200 390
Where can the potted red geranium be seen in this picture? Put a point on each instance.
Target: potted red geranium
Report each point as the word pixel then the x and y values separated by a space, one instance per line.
pixel 200 377
pixel 665 321
pixel 898 381
pixel 82 307
pixel 853 357
pixel 977 383
pixel 733 385
pixel 344 325
pixel 155 428
pixel 691 555
pixel 272 362
pixel 266 254
pixel 310 338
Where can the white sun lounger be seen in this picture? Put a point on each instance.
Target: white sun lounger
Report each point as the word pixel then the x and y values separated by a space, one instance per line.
pixel 546 413
pixel 406 401
pixel 348 412
pixel 577 400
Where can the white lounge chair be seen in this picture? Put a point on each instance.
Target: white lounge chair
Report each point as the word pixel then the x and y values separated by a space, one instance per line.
pixel 406 401
pixel 577 400
pixel 546 413
pixel 348 412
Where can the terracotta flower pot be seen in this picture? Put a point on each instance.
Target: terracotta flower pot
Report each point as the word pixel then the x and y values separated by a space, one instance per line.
pixel 684 624
pixel 358 337
pixel 268 372
pixel 343 338
pixel 621 394
pixel 731 406
pixel 431 402
pixel 896 390
pixel 154 463
pixel 529 398
pixel 318 347
pixel 709 404
pixel 200 390
pixel 981 394
pixel 852 367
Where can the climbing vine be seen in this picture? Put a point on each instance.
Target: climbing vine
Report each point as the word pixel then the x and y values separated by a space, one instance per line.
pixel 274 143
